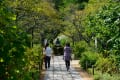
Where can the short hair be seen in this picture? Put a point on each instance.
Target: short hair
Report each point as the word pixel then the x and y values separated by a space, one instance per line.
pixel 68 44
pixel 47 44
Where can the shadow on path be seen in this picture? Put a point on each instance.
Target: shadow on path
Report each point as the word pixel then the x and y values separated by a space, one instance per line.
pixel 58 71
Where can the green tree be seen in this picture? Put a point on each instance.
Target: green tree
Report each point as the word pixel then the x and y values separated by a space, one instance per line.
pixel 104 25
pixel 13 45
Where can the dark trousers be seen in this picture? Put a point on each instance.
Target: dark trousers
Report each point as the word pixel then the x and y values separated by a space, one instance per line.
pixel 47 61
pixel 67 63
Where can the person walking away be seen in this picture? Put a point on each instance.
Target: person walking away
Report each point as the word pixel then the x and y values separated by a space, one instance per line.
pixel 48 54
pixel 67 55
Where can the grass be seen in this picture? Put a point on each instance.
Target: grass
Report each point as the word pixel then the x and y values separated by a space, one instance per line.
pixel 98 75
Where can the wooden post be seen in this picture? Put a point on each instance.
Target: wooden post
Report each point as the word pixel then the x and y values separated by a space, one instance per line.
pixel 86 65
pixel 93 69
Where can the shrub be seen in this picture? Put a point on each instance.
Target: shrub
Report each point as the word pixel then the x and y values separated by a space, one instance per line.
pixel 101 76
pixel 33 59
pixel 79 48
pixel 106 76
pixel 97 75
pixel 88 59
pixel 116 77
pixel 107 64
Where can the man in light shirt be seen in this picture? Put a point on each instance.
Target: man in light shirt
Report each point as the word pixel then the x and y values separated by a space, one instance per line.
pixel 48 54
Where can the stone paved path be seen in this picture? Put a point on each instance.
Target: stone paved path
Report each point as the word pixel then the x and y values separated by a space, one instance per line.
pixel 58 71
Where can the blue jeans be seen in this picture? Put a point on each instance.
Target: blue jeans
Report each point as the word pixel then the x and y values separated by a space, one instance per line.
pixel 47 62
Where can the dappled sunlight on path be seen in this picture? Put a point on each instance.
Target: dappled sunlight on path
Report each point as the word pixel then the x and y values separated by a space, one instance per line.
pixel 58 71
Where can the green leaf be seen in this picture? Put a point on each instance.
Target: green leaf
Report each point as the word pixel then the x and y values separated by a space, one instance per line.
pixel 13 17
pixel 1 60
pixel 14 27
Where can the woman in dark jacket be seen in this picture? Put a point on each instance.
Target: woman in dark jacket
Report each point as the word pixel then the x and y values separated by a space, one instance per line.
pixel 67 55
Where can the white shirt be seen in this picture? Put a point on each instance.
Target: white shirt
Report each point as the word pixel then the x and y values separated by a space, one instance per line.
pixel 48 51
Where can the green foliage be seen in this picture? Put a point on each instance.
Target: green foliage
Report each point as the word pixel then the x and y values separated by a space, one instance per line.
pixel 115 77
pixel 16 63
pixel 33 60
pixel 102 77
pixel 12 53
pixel 62 3
pixel 106 76
pixel 64 39
pixel 88 59
pixel 107 64
pixel 39 18
pixel 36 17
pixel 103 64
pixel 103 25
pixel 96 77
pixel 79 48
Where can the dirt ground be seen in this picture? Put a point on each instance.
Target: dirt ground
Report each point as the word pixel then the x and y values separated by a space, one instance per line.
pixel 42 74
pixel 83 74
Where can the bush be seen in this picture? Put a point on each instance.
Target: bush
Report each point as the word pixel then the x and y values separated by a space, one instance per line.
pixel 79 48
pixel 97 75
pixel 116 77
pixel 33 59
pixel 105 76
pixel 107 64
pixel 88 59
